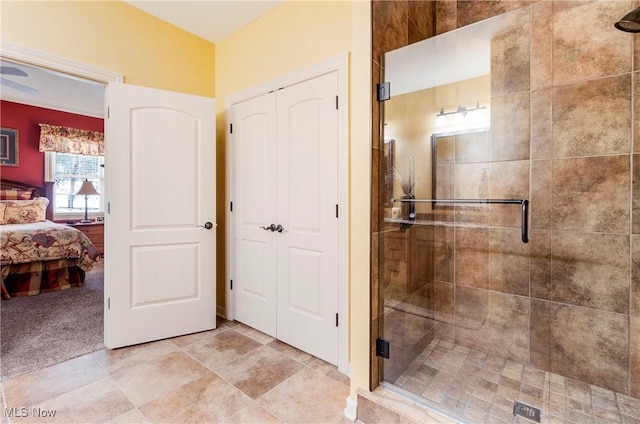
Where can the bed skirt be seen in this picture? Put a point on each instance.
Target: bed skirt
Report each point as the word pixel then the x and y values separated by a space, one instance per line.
pixel 40 277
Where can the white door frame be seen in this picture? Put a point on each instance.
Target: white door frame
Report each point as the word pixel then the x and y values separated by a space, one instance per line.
pixel 339 64
pixel 27 56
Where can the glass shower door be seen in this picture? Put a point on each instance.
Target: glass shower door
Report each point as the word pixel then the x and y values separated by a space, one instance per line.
pixel 485 309
pixel 437 133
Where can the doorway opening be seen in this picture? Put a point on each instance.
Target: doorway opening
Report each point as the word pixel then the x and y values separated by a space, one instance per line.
pixel 35 81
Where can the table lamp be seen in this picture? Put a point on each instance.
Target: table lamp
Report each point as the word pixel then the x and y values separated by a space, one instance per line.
pixel 86 189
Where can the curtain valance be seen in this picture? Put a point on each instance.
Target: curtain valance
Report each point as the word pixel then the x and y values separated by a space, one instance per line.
pixel 71 140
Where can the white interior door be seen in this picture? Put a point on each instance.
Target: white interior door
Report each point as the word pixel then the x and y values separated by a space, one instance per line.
pixel 307 181
pixel 160 152
pixel 255 210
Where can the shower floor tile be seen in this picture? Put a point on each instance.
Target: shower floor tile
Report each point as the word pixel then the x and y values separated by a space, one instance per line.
pixel 481 388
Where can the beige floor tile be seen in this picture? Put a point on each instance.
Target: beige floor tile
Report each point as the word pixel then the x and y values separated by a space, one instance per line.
pixel 167 382
pixel 226 323
pixel 79 405
pixel 188 339
pixel 259 371
pixel 133 416
pixel 330 371
pixel 150 380
pixel 221 348
pixel 292 352
pixel 208 399
pixel 113 360
pixel 307 397
pixel 253 413
pixel 256 335
pixel 36 387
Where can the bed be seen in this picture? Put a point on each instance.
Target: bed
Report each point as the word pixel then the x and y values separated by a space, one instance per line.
pixel 37 255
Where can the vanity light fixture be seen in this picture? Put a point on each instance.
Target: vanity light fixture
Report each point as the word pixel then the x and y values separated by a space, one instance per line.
pixel 461 110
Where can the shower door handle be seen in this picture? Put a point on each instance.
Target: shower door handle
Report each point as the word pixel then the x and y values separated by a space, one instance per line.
pixel 524 221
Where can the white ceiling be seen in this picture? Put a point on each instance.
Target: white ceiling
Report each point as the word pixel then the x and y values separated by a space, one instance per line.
pixel 211 20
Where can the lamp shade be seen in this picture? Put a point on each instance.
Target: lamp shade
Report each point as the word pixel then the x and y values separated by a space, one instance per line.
pixel 87 189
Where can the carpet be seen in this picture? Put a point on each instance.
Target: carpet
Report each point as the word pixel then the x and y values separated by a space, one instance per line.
pixel 43 330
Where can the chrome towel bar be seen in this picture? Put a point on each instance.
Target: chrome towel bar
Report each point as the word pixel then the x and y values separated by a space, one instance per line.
pixel 524 213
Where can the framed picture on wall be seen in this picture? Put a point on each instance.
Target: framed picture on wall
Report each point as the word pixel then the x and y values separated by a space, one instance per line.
pixel 8 147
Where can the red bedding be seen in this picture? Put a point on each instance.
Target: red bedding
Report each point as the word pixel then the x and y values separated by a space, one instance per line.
pixel 40 277
pixel 43 256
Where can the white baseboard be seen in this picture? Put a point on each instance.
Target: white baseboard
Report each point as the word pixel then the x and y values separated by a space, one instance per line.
pixel 351 411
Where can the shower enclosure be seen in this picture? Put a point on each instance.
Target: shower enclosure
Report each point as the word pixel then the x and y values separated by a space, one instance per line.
pixel 506 251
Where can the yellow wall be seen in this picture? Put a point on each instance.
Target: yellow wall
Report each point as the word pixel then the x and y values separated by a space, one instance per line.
pixel 292 36
pixel 295 35
pixel 360 196
pixel 115 36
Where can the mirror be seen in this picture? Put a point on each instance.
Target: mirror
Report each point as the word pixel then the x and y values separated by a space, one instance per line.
pixel 449 149
pixel 453 101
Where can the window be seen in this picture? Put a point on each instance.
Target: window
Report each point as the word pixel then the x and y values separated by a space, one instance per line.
pixel 69 171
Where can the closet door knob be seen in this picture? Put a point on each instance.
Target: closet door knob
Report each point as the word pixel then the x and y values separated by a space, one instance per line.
pixel 280 228
pixel 207 225
pixel 271 228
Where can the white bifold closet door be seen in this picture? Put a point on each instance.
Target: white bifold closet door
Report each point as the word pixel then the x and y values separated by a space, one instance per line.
pixel 254 209
pixel 286 174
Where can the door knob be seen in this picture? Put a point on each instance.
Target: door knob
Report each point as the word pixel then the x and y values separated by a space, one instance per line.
pixel 279 228
pixel 271 227
pixel 207 225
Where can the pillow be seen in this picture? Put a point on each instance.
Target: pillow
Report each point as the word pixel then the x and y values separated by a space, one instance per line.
pixel 16 193
pixel 25 211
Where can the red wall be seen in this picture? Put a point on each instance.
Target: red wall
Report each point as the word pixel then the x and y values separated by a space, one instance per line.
pixel 26 119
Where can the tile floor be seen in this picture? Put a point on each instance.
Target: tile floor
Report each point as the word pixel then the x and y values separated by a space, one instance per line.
pixel 233 374
pixel 481 388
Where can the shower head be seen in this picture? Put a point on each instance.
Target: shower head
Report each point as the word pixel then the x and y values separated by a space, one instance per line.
pixel 630 22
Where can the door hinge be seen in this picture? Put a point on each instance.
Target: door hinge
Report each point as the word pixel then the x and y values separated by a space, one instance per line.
pixel 231 285
pixel 108 112
pixel 337 321
pixel 337 102
pixel 337 211
pixel 384 91
pixel 109 303
pixel 382 348
pixel 108 207
pixel 230 206
pixel 231 128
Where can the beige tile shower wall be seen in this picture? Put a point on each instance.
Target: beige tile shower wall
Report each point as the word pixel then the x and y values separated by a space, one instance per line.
pixel 569 300
pixel 394 24
pixel 580 182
